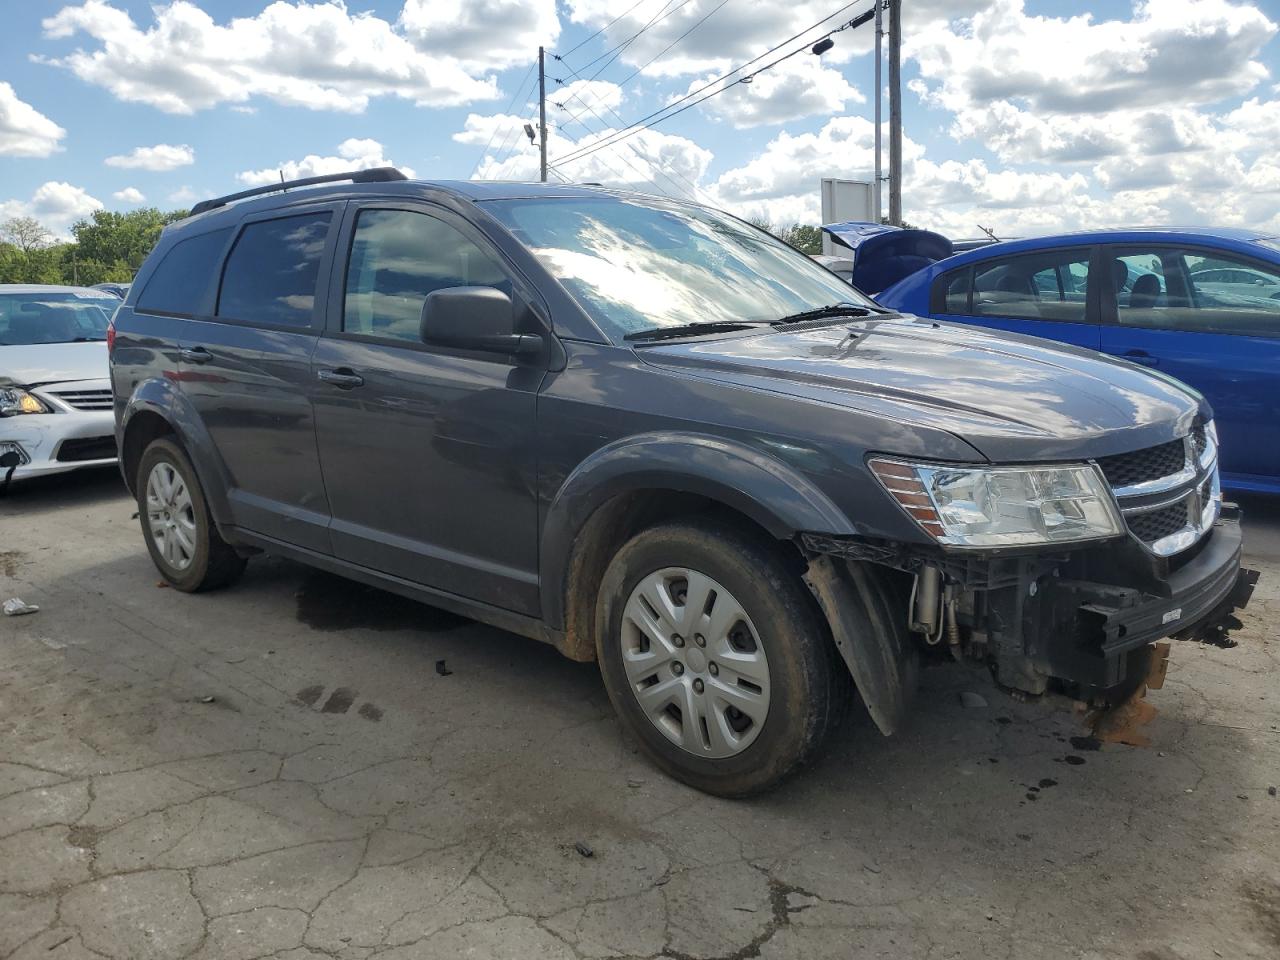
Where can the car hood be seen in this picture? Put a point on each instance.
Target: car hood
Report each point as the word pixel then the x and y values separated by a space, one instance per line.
pixel 1013 398
pixel 53 363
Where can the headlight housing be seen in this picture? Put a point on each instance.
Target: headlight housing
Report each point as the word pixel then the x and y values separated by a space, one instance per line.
pixel 1003 506
pixel 15 400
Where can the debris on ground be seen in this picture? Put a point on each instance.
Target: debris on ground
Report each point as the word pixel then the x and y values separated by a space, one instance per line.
pixel 442 668
pixel 583 849
pixel 637 782
pixel 162 584
pixel 1271 791
pixel 207 699
pixel 971 700
pixel 17 607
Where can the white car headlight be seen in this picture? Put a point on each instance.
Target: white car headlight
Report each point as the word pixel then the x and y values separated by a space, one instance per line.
pixel 1003 506
pixel 15 400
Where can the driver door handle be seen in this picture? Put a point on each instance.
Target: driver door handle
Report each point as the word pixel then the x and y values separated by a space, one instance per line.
pixel 1142 357
pixel 344 378
pixel 195 355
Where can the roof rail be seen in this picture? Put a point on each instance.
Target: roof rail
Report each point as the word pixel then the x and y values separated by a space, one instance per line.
pixel 374 175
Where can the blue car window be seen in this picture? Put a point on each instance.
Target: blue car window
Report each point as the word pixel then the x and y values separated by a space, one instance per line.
pixel 1199 291
pixel 1046 285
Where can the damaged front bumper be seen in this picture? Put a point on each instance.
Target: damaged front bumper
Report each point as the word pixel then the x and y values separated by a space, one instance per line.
pixel 1081 619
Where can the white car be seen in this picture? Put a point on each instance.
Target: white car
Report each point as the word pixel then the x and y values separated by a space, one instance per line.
pixel 55 394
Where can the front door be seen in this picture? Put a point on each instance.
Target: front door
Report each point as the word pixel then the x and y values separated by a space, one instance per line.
pixel 246 370
pixel 428 452
pixel 1212 319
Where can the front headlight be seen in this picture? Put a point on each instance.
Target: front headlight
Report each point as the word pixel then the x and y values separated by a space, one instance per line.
pixel 15 400
pixel 1002 506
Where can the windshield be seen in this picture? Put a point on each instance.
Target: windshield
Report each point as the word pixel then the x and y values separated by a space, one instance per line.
pixel 638 264
pixel 54 317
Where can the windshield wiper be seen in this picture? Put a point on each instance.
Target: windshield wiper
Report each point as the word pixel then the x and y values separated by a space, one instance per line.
pixel 693 329
pixel 85 340
pixel 833 310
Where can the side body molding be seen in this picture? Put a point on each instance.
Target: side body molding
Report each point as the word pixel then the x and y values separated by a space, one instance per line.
pixel 770 492
pixel 163 398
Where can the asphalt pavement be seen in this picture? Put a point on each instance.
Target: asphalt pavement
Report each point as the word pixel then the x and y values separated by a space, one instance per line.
pixel 281 769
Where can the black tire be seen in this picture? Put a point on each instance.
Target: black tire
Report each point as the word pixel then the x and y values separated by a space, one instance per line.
pixel 214 563
pixel 809 687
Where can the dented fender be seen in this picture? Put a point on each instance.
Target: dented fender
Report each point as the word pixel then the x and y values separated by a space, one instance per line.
pixel 870 635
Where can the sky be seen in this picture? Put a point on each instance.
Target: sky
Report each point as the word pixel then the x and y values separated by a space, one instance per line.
pixel 1023 116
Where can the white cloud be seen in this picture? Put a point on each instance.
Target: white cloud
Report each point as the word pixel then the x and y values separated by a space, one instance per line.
pixel 799 87
pixel 353 154
pixel 24 130
pixel 185 196
pixel 56 204
pixel 1125 87
pixel 481 34
pixel 129 195
pixel 161 157
pixel 650 161
pixel 313 55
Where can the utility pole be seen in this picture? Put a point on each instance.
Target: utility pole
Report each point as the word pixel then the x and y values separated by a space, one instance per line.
pixel 879 57
pixel 895 112
pixel 542 109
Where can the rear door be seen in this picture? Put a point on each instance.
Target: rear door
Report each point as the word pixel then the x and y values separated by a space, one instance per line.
pixel 246 370
pixel 1212 319
pixel 429 452
pixel 1046 293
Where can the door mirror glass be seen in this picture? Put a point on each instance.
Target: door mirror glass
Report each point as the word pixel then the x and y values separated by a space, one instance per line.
pixel 473 318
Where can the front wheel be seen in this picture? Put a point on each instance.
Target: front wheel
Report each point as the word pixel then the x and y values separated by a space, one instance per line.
pixel 183 542
pixel 716 658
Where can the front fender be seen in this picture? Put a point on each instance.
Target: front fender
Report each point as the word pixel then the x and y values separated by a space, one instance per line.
pixel 163 398
pixel 773 494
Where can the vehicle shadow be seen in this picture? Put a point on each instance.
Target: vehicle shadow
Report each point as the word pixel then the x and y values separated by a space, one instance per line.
pixel 80 488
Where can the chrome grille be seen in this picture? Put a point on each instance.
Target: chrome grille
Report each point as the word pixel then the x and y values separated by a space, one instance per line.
pixel 1181 478
pixel 1144 466
pixel 85 399
pixel 1158 524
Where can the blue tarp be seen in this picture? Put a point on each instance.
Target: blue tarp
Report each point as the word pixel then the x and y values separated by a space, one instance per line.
pixel 884 254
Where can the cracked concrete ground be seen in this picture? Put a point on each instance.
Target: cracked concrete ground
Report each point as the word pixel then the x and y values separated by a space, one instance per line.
pixel 338 797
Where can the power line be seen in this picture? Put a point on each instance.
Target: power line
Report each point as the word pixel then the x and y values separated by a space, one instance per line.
pixel 615 52
pixel 666 171
pixel 581 43
pixel 515 96
pixel 662 114
pixel 665 49
pixel 622 156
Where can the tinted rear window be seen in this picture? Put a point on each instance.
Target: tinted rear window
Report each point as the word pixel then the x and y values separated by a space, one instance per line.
pixel 180 281
pixel 270 277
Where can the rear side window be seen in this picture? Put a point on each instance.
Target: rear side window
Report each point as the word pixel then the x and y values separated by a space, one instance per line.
pixel 270 277
pixel 179 282
pixel 1048 285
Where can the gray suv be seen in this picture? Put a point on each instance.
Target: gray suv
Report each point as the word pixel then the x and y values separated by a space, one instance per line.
pixel 659 439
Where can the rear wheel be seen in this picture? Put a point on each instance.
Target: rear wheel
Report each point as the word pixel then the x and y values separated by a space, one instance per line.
pixel 716 658
pixel 183 542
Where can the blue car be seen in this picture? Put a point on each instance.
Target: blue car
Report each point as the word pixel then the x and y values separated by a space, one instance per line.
pixel 1198 304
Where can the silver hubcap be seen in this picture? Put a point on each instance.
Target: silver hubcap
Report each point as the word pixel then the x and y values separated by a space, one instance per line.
pixel 170 516
pixel 695 663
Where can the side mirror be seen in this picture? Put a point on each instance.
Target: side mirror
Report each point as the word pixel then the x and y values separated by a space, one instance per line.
pixel 474 318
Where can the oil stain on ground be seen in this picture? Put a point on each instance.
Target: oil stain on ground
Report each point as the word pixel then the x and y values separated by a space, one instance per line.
pixel 327 602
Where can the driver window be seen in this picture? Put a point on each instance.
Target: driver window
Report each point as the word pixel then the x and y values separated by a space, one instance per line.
pixel 1197 290
pixel 398 257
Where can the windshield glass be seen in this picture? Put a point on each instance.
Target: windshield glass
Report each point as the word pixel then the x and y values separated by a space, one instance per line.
pixel 54 317
pixel 638 264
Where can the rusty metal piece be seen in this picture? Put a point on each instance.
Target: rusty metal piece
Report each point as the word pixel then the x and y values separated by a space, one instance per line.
pixel 1159 665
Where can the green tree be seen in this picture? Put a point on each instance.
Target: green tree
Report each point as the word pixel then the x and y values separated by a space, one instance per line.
pixel 112 246
pixel 25 233
pixel 805 238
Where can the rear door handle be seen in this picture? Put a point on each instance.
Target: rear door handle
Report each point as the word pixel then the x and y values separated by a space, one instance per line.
pixel 195 355
pixel 1142 357
pixel 344 378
